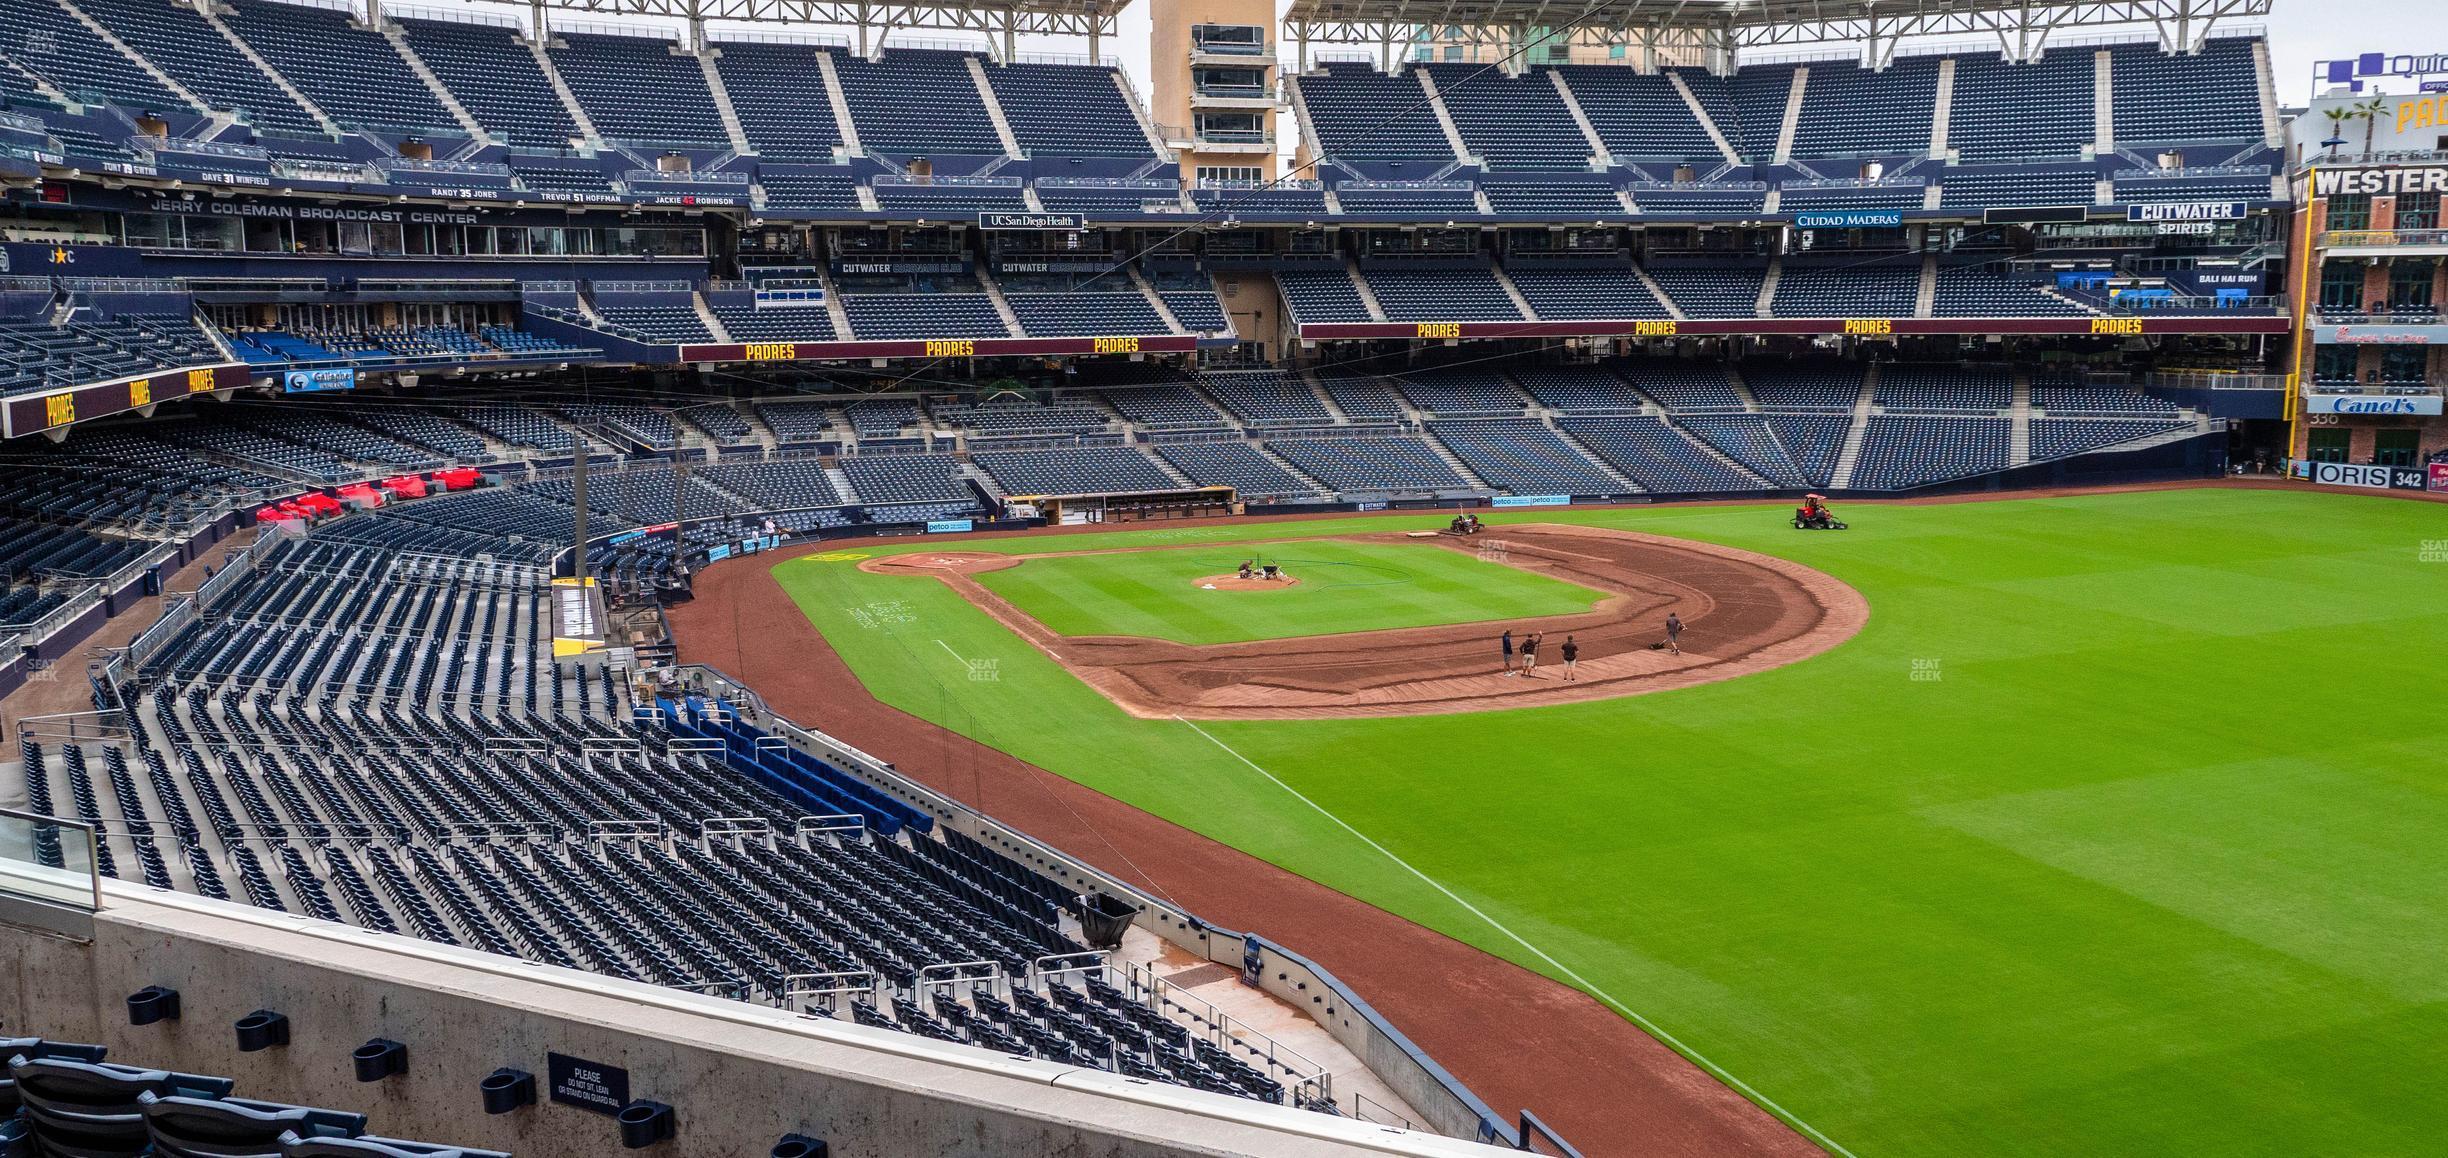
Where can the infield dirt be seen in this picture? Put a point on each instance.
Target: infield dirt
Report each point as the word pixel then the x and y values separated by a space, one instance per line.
pixel 1742 612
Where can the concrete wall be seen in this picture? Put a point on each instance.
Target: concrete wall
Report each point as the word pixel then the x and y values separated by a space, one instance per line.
pixel 739 1076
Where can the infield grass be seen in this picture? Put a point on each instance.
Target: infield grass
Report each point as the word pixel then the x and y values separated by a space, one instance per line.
pixel 1343 587
pixel 2121 829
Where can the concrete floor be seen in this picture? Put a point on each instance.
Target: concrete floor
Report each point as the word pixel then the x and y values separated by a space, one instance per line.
pixel 63 687
pixel 1357 1091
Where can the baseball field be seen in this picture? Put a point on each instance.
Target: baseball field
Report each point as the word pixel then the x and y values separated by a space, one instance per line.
pixel 2121 827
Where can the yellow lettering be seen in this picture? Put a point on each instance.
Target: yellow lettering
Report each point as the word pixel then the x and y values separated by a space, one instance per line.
pixel 1664 329
pixel 951 348
pixel 140 392
pixel 1440 329
pixel 772 351
pixel 1869 326
pixel 1117 345
pixel 59 410
pixel 199 381
pixel 2116 325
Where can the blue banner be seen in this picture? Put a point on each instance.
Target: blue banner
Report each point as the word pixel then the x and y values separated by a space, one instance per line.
pixel 1853 219
pixel 317 381
pixel 1532 501
pixel 949 526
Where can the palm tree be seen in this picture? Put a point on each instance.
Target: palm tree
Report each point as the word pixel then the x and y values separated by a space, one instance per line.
pixel 2370 111
pixel 2338 116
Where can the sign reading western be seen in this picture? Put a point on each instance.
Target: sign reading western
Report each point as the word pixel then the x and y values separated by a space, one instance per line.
pixel 2380 180
pixel 1853 219
pixel 2186 211
pixel 2371 404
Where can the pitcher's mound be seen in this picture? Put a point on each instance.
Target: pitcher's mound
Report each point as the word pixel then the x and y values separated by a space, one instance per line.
pixel 1237 583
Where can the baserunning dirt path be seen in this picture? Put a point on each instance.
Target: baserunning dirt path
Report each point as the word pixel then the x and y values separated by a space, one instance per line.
pixel 1516 1038
pixel 1742 612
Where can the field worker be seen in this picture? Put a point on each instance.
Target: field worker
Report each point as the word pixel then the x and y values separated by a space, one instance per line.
pixel 1507 644
pixel 1572 657
pixel 1530 650
pixel 1674 633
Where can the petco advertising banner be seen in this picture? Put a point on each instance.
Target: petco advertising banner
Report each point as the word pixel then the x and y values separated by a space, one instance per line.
pixel 1531 501
pixel 2371 404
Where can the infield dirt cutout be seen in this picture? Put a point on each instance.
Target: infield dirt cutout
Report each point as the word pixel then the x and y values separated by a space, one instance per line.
pixel 1742 612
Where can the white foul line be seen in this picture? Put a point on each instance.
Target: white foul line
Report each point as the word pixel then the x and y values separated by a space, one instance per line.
pixel 1650 1027
pixel 955 655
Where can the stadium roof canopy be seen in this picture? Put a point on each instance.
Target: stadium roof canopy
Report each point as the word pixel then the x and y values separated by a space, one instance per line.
pixel 1093 19
pixel 1727 26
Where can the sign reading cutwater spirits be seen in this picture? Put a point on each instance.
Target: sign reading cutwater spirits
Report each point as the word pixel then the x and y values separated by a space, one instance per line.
pixel 2186 211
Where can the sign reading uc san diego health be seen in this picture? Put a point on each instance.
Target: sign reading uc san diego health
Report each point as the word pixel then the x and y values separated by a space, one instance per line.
pixel 1060 221
pixel 1858 219
pixel 2186 211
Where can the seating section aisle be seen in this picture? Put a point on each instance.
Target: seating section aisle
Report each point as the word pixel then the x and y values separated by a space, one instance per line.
pixel 1078 470
pixel 1524 457
pixel 1370 465
pixel 1238 465
pixel 1658 456
pixel 769 89
pixel 1899 452
pixel 348 70
pixel 495 78
pixel 639 90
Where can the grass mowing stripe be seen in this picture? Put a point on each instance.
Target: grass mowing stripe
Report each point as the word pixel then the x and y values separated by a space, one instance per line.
pixel 1344 587
pixel 1647 1026
pixel 2098 886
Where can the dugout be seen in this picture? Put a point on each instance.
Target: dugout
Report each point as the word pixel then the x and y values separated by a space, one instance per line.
pixel 1133 506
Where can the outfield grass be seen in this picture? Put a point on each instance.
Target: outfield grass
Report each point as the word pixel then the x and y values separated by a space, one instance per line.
pixel 2122 828
pixel 1343 587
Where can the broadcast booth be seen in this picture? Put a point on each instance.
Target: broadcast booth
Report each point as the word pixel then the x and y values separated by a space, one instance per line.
pixel 1130 506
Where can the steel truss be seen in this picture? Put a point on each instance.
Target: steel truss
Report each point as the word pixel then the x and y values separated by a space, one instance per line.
pixel 1677 32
